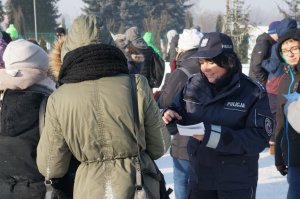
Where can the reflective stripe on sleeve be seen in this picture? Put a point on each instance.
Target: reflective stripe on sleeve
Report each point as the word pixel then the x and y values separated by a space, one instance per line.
pixel 214 137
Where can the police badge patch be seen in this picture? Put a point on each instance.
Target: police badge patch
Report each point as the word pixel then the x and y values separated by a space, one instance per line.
pixel 268 126
pixel 204 42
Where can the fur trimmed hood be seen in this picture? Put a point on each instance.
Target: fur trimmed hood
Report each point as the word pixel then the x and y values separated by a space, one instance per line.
pixel 55 58
pixel 85 30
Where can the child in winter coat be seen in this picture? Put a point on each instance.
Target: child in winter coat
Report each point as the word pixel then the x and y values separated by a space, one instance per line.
pixel 287 158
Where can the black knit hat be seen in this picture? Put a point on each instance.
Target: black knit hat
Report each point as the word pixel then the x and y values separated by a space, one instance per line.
pixel 291 34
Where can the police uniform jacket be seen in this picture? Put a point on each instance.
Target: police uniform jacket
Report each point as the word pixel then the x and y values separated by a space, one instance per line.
pixel 238 124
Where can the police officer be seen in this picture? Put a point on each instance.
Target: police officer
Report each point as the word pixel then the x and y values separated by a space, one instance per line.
pixel 237 119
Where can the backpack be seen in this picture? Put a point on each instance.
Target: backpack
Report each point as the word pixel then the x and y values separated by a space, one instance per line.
pixel 157 70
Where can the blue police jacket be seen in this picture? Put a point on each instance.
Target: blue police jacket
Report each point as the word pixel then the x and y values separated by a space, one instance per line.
pixel 238 124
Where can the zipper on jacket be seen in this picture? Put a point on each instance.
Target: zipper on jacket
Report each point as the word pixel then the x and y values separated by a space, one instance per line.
pixel 286 121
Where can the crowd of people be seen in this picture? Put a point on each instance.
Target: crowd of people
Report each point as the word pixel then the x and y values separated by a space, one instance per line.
pixel 87 132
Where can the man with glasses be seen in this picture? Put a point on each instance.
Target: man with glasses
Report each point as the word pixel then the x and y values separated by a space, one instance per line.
pixel 275 71
pixel 287 155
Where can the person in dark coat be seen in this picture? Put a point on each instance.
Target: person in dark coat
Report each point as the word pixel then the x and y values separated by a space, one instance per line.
pixel 287 155
pixel 138 54
pixel 262 51
pixel 24 84
pixel 60 33
pixel 236 118
pixel 187 46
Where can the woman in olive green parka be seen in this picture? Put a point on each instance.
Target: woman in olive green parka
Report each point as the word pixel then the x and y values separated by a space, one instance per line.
pixel 90 116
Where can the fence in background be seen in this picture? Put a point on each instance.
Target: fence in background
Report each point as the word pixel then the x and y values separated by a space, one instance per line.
pixel 49 38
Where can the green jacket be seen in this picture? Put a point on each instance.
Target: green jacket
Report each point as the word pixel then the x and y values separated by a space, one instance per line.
pixel 149 39
pixel 94 121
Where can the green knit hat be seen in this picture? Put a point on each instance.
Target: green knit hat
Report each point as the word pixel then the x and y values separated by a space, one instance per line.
pixel 12 31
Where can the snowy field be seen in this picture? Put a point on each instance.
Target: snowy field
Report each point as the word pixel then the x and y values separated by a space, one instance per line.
pixel 270 183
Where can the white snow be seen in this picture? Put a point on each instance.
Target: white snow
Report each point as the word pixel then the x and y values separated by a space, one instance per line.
pixel 270 183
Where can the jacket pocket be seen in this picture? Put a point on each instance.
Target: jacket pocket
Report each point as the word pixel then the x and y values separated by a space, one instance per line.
pixel 238 172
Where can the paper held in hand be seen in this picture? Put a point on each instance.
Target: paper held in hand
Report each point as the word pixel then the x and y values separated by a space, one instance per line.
pixel 190 130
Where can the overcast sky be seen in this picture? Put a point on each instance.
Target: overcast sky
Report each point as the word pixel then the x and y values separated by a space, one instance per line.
pixel 262 11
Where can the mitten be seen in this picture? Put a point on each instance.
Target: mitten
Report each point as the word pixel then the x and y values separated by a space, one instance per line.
pixel 282 169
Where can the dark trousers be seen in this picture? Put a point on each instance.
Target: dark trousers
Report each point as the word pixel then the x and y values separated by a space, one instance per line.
pixel 226 194
pixel 293 179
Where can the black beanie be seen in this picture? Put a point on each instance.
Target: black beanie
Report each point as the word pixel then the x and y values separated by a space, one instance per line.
pixel 291 34
pixel 6 37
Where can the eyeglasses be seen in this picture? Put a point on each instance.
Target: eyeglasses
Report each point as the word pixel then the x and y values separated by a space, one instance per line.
pixel 293 50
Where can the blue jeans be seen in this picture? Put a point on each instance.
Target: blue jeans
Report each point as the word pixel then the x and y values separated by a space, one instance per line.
pixel 293 178
pixel 181 177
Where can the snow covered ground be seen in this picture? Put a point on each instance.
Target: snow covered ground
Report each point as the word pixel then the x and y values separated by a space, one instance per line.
pixel 270 183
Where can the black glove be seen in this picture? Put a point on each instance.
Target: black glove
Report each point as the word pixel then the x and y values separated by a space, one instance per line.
pixel 282 169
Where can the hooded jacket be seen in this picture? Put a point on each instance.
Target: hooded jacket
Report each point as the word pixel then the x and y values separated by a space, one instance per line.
pixel 93 120
pixel 287 138
pixel 273 64
pixel 23 92
pixel 261 51
pixel 139 59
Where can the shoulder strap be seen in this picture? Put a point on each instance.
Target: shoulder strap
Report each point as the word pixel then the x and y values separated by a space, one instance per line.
pixel 42 114
pixel 188 74
pixel 47 181
pixel 134 103
pixel 139 182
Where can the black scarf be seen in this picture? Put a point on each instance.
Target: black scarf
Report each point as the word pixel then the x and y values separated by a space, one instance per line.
pixel 92 62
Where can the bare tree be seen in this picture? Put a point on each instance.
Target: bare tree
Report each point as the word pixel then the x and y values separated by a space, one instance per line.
pixel 294 9
pixel 156 25
pixel 207 21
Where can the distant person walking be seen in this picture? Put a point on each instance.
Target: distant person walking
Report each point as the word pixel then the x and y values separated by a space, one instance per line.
pixel 172 37
pixel 262 51
pixel 60 33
